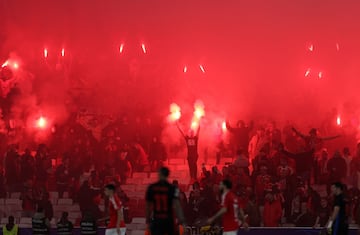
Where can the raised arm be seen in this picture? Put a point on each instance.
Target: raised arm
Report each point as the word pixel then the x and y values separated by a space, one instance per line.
pixel 198 131
pixel 298 133
pixel 330 137
pixel 179 128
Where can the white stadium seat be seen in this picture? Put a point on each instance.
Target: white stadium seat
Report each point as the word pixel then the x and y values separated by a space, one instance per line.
pixel 12 201
pixel 138 220
pixel 25 220
pixel 4 220
pixel 54 195
pixel 65 201
pixel 140 175
pixel 15 195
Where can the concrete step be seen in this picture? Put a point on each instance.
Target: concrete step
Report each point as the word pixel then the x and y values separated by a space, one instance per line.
pixel 140 175
pixel 177 161
pixel 134 181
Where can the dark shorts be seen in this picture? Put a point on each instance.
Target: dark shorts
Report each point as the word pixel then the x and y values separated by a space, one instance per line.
pixel 340 229
pixel 162 227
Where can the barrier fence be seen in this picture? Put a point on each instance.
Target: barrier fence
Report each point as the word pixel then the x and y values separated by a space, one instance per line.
pixel 195 231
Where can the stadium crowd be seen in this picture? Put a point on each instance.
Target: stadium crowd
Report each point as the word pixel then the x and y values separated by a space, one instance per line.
pixel 276 183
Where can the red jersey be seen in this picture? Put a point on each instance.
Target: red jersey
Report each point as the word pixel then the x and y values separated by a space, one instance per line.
pixel 114 206
pixel 230 218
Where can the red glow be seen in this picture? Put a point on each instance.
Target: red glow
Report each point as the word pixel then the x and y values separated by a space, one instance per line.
pixel 307 73
pixel 320 75
pixel 6 63
pixel 175 112
pixel 194 125
pixel 12 64
pixel 223 126
pixel 311 47
pixel 199 110
pixel 337 47
pixel 46 53
pixel 41 123
pixel 199 113
pixel 143 48
pixel 185 69
pixel 121 49
pixel 63 52
pixel 202 68
pixel 338 121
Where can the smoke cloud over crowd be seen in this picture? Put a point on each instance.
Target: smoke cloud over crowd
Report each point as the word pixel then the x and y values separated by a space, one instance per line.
pixel 243 59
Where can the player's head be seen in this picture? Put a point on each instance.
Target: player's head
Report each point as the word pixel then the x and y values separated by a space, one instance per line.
pixel 164 173
pixel 337 188
pixel 225 185
pixel 109 190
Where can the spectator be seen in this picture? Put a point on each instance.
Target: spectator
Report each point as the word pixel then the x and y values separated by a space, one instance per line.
pixel 95 182
pixel 313 200
pixel 86 196
pixel 241 134
pixel 304 163
pixel 10 228
pixel 348 158
pixel 272 210
pixel 242 161
pixel 323 213
pixel 40 224
pixel 28 202
pixel 157 154
pixel 321 175
pixel 27 165
pixel 337 169
pixel 262 183
pixel 11 168
pixel 42 164
pixel 306 218
pixel 62 178
pixel 355 168
pixel 253 212
pixel 2 183
pixel 257 143
pixel 295 207
pixel 195 200
pixel 64 226
pixel 123 166
pixel 46 204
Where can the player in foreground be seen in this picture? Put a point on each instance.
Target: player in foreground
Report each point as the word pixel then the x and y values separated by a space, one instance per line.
pixel 233 216
pixel 161 200
pixel 116 224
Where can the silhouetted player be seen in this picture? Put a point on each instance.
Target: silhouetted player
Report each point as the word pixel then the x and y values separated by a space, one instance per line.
pixel 191 140
pixel 338 221
pixel 161 200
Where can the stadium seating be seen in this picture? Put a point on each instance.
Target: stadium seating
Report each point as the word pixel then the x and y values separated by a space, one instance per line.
pixel 135 189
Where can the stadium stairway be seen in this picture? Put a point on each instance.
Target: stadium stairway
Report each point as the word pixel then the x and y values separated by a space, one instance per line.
pixel 136 186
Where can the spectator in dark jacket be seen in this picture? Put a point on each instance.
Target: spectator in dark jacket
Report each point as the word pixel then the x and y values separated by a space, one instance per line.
pixel 337 168
pixel 157 154
pixel 46 204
